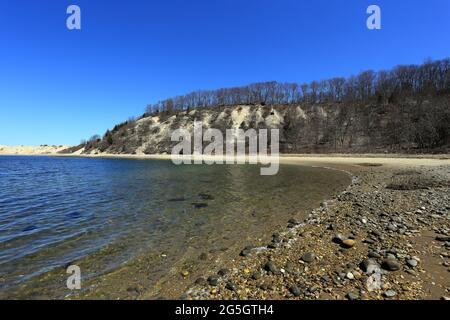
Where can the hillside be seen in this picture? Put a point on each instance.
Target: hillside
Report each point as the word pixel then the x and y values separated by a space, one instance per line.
pixel 406 109
pixel 408 128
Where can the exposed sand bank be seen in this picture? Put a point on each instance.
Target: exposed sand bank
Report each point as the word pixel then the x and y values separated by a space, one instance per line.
pixel 31 150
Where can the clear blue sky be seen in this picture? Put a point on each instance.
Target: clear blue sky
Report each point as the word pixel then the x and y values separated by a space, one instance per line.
pixel 59 86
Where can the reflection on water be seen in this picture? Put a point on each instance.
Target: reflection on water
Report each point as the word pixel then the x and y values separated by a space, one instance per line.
pixel 104 212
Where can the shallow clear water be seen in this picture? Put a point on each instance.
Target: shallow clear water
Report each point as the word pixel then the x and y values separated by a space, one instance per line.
pixel 54 211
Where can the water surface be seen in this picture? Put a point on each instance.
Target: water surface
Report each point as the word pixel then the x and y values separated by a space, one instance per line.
pixel 104 214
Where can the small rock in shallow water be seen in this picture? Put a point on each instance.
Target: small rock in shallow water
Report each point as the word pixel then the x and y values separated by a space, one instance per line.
pixel 390 265
pixel 308 257
pixel 203 256
pixel 213 280
pixel 205 196
pixel 200 281
pixel 246 251
pixel 199 205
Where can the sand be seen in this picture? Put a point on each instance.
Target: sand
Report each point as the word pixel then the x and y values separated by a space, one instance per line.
pixel 31 150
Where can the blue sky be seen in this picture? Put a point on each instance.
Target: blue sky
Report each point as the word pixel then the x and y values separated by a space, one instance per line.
pixel 59 86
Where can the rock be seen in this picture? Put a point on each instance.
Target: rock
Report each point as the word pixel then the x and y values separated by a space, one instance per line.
pixel 230 286
pixel 373 254
pixel 200 281
pixel 390 293
pixel 369 266
pixel 442 238
pixel 294 221
pixel 412 263
pixel 350 276
pixel 271 267
pixel 222 272
pixel 199 205
pixel 352 296
pixel 295 291
pixel 276 239
pixel 184 273
pixel 203 256
pixel 204 196
pixel 246 251
pixel 176 200
pixel 256 275
pixel 213 280
pixel 338 238
pixel 390 265
pixel 308 257
pixel 348 243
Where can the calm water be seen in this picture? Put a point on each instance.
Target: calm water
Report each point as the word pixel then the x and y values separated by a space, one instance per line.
pixel 105 212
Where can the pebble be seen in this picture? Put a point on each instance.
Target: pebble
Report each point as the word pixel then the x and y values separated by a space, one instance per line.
pixel 390 265
pixel 222 272
pixel 350 276
pixel 308 257
pixel 348 243
pixel 352 296
pixel 184 273
pixel 390 293
pixel 230 286
pixel 213 280
pixel 412 263
pixel 246 251
pixel 369 266
pixel 271 267
pixel 200 281
pixel 338 238
pixel 295 291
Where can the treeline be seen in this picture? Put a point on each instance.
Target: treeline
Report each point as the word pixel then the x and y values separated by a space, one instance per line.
pixel 430 78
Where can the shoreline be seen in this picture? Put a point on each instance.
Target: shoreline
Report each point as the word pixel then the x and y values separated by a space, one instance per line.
pixel 398 224
pixel 306 159
pixel 385 221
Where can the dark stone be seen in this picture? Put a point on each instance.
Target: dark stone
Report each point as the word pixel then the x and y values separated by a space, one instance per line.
pixel 352 296
pixel 295 291
pixel 256 275
pixel 246 251
pixel 374 255
pixel 271 267
pixel 205 196
pixel 222 272
pixel 230 286
pixel 338 238
pixel 213 280
pixel 294 221
pixel 391 265
pixel 442 238
pixel 176 200
pixel 200 281
pixel 199 205
pixel 203 256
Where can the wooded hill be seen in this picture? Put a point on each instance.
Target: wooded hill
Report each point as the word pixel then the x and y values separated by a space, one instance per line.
pixel 406 109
